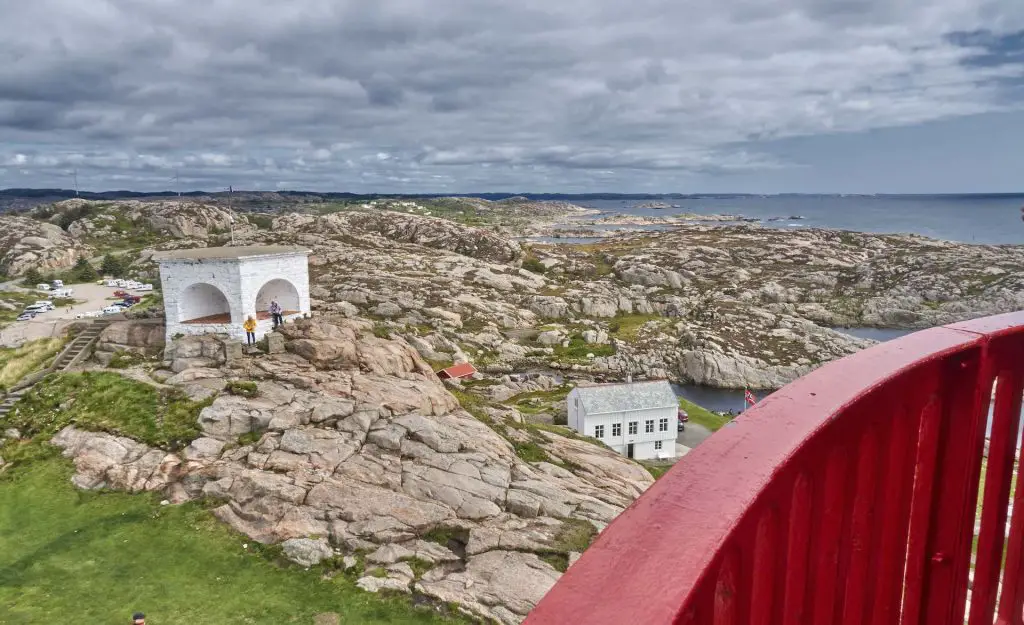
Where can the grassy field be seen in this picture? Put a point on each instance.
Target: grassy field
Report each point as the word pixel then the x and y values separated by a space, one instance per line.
pixel 74 556
pixel 702 416
pixel 107 402
pixel 16 363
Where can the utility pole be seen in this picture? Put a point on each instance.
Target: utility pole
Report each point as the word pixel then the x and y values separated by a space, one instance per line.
pixel 231 216
pixel 75 173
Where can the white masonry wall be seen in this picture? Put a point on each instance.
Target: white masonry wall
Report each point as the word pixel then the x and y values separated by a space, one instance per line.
pixel 240 280
pixel 257 272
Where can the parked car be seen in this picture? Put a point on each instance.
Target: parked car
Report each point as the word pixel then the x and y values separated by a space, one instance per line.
pixel 58 284
pixel 64 293
pixel 683 419
pixel 42 286
pixel 120 293
pixel 88 314
pixel 144 287
pixel 113 310
pixel 26 316
pixel 112 282
pixel 48 304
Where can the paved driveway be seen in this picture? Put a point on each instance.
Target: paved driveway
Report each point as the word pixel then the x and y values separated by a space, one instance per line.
pixel 693 435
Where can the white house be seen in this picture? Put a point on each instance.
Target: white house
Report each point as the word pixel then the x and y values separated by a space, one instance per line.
pixel 212 290
pixel 638 420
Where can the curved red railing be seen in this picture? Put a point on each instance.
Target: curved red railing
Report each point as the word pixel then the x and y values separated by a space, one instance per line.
pixel 849 496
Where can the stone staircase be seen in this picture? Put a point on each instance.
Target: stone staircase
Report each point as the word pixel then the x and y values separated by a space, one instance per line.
pixel 75 352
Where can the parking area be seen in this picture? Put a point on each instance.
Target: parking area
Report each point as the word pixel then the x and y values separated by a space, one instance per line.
pixel 88 298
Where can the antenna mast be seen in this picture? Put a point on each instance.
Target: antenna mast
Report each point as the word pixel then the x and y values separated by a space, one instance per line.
pixel 75 173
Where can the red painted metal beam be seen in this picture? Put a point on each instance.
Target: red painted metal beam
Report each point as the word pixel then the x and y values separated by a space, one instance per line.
pixel 846 497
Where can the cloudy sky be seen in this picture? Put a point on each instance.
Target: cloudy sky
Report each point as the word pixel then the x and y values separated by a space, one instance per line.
pixel 514 95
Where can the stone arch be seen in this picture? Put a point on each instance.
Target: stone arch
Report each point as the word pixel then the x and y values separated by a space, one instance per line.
pixel 283 291
pixel 203 303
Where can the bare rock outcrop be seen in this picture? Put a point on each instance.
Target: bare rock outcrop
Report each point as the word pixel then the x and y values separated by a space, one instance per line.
pixel 430 232
pixel 351 444
pixel 27 243
pixel 184 219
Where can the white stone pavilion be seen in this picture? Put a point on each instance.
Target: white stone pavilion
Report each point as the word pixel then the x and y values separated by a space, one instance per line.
pixel 213 290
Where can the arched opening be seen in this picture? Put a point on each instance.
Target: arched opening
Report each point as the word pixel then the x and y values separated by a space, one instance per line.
pixel 281 290
pixel 203 303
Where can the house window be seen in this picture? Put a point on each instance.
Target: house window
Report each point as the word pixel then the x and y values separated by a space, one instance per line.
pixel 649 426
pixel 657 445
pixel 598 431
pixel 633 425
pixel 616 429
pixel 663 425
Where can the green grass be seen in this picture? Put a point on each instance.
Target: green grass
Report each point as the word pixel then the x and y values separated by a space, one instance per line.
pixel 627 327
pixel 86 557
pixel 656 470
pixel 702 416
pixel 16 363
pixel 107 402
pixel 123 359
pixel 574 535
pixel 578 350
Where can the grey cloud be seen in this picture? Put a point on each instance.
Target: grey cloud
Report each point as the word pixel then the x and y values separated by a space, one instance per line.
pixel 570 95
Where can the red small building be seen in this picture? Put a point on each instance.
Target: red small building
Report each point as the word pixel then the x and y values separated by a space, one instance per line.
pixel 456 372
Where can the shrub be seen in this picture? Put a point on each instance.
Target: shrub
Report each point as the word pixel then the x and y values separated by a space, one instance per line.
pixel 124 359
pixel 112 266
pixel 534 265
pixel 242 388
pixel 32 277
pixel 83 271
pixel 263 222
pixel 381 331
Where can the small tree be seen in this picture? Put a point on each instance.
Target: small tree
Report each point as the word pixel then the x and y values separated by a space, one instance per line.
pixel 83 271
pixel 32 277
pixel 112 266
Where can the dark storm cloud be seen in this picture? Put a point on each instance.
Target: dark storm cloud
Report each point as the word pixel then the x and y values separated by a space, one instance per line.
pixel 445 95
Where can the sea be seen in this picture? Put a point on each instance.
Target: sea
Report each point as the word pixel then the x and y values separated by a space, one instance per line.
pixel 983 219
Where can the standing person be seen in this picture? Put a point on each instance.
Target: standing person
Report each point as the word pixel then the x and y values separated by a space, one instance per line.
pixel 250 330
pixel 275 312
pixel 138 618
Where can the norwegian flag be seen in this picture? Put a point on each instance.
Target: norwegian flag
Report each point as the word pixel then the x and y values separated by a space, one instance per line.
pixel 749 397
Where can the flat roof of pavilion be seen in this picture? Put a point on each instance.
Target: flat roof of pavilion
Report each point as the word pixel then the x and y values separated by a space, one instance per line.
pixel 229 253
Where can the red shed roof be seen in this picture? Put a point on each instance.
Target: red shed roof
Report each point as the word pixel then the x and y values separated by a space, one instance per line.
pixel 458 371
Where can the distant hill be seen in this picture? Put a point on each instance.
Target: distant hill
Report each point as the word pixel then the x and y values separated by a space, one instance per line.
pixel 24 199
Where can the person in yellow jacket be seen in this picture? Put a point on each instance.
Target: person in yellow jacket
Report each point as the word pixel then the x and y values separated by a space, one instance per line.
pixel 250 330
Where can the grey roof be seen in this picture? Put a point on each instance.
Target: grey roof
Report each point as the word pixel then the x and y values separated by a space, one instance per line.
pixel 229 253
pixel 607 398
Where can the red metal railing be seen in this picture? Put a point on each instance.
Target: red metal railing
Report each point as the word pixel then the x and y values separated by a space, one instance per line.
pixel 849 496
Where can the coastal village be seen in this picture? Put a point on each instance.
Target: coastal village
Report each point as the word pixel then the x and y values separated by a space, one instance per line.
pixel 432 402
